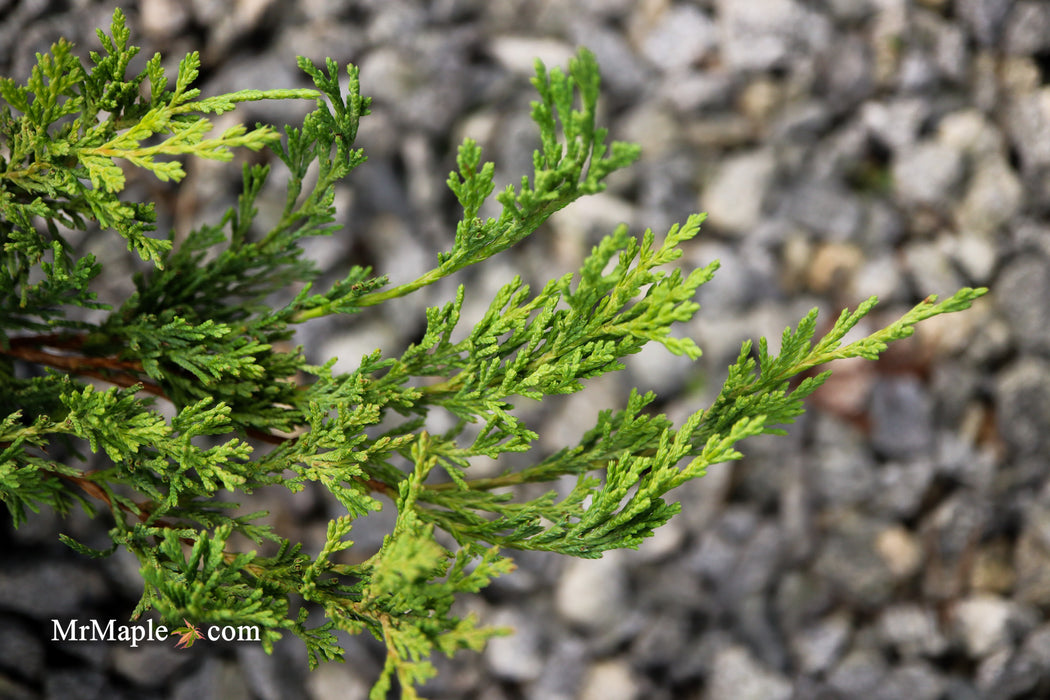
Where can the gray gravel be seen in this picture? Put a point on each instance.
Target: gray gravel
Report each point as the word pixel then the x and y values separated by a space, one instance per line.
pixel 896 544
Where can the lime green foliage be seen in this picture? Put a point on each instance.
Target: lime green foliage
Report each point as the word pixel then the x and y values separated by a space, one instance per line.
pixel 201 333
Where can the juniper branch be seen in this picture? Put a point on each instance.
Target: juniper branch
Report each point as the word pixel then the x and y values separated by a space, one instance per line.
pixel 201 333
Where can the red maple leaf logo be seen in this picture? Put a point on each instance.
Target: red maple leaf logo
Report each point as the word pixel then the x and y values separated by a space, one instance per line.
pixel 187 635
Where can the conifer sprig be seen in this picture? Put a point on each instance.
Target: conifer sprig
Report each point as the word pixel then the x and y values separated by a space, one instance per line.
pixel 201 333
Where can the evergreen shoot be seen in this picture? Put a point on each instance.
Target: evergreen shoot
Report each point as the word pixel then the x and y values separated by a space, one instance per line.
pixel 202 335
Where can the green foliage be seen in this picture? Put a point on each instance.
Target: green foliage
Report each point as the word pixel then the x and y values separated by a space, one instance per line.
pixel 201 333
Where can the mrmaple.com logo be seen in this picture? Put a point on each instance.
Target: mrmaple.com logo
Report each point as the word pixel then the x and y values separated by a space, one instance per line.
pixel 95 631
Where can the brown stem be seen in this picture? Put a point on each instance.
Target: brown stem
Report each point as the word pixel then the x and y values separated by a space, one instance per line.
pixel 123 373
pixel 140 511
pixel 54 340
pixel 71 363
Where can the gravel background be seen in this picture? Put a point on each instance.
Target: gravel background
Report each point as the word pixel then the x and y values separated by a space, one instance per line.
pixel 895 545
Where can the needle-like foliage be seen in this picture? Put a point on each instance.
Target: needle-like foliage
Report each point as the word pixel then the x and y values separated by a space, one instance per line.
pixel 202 334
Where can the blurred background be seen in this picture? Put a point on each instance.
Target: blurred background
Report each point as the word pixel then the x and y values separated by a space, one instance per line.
pixel 896 544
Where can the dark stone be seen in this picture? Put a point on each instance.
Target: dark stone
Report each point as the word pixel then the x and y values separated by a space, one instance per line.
pixel 20 649
pixel 843 469
pixel 1023 406
pixel 1028 672
pixel 827 209
pixel 902 486
pixel 1021 291
pixel 50 588
pixel 816 647
pixel 661 641
pixel 858 674
pixel 1028 127
pixel 79 684
pixel 950 533
pixel 277 676
pixel 901 418
pixel 850 561
pixel 915 681
pixel 848 75
pixel 1027 28
pixel 985 18
pixel 11 689
pixel 719 547
pixel 757 563
pixel 800 599
pixel 150 665
pixel 213 680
